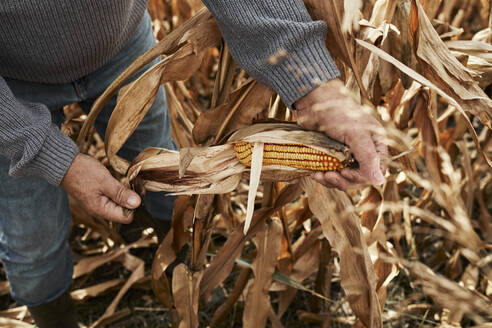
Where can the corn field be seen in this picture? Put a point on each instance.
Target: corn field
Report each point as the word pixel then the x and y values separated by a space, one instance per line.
pixel 264 244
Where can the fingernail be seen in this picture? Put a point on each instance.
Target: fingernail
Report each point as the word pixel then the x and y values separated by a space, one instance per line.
pixel 378 177
pixel 133 201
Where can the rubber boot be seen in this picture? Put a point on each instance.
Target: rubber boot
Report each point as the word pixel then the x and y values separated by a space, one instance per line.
pixel 59 313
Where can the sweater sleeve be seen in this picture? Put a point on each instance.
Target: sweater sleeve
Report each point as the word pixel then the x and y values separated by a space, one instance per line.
pixel 277 43
pixel 32 143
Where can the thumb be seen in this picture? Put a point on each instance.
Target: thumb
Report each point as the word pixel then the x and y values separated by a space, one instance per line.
pixel 121 195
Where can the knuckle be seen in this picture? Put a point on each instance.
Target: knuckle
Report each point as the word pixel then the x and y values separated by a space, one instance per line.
pixel 353 137
pixel 107 209
pixel 342 188
pixel 120 193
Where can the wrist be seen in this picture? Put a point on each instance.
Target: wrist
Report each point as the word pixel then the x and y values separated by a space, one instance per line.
pixel 322 93
pixel 67 178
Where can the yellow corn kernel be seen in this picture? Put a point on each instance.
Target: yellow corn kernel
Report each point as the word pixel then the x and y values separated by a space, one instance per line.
pixel 292 155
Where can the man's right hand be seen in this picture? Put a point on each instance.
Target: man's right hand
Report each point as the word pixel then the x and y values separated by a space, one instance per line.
pixel 331 110
pixel 88 181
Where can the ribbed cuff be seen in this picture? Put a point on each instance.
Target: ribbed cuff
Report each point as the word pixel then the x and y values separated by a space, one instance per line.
pixel 55 157
pixel 302 70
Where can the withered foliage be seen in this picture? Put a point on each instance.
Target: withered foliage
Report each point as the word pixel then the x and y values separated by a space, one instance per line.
pixel 413 252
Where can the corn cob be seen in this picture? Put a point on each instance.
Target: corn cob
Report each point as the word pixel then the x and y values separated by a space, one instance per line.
pixel 292 155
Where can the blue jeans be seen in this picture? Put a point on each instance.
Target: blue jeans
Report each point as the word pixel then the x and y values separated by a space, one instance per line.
pixel 34 215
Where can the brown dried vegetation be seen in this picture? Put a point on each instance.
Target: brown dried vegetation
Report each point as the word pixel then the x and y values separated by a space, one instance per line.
pixel 415 252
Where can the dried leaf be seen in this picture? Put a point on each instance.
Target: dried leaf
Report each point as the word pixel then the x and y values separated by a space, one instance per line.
pixel 20 313
pixel 12 323
pixel 196 28
pixel 239 285
pixel 82 294
pixel 304 264
pixel 225 76
pixel 223 263
pixel 351 14
pixel 164 256
pixel 88 264
pixel 339 43
pixel 343 231
pixel 443 290
pixel 186 293
pixel 137 266
pixel 429 135
pixel 182 109
pixel 440 66
pixel 134 104
pixel 167 252
pixel 421 79
pixel 244 105
pixel 267 243
pixel 254 181
pixel 372 199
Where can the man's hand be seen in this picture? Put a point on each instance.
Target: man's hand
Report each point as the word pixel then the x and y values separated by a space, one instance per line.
pixel 331 110
pixel 92 185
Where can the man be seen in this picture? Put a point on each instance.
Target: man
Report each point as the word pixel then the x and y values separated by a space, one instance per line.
pixel 53 53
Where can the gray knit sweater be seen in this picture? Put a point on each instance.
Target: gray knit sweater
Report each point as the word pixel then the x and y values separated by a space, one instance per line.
pixel 61 41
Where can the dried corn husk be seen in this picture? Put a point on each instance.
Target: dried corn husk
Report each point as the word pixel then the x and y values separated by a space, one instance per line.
pixel 215 169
